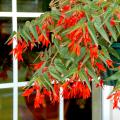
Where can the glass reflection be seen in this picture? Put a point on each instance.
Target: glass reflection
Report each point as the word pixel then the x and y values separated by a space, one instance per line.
pixel 5 5
pixel 33 5
pixel 5 58
pixel 6 110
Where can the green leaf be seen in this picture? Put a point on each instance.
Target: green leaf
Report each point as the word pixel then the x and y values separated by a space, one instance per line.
pixel 32 29
pixel 118 28
pixel 102 57
pixel 11 36
pixel 55 74
pixel 111 29
pixel 105 51
pixel 92 32
pixel 113 52
pixel 99 28
pixel 56 44
pixel 84 77
pixel 70 73
pixel 115 76
pixel 85 59
pixel 83 52
pixel 22 34
pixel 60 66
pixel 26 34
pixel 55 14
pixel 91 72
pixel 47 81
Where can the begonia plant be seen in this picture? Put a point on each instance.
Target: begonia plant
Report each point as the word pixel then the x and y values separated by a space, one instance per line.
pixel 77 36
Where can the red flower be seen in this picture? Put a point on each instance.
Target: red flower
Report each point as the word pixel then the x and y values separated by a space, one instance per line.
pixel 44 39
pixel 93 53
pixel 39 99
pixel 38 65
pixel 65 8
pixel 18 50
pixel 100 84
pixel 112 21
pixel 109 63
pixel 115 97
pixel 100 66
pixel 86 92
pixel 28 92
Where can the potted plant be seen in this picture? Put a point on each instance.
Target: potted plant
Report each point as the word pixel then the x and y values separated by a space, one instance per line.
pixel 77 36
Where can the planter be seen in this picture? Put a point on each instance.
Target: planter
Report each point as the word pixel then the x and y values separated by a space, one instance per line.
pixel 116 62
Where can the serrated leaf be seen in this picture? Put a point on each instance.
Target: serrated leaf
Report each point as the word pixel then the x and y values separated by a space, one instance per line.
pixel 70 72
pixel 84 77
pixel 55 74
pixel 100 29
pixel 27 35
pixel 55 14
pixel 11 36
pixel 91 72
pixel 111 29
pixel 113 52
pixel 83 52
pixel 118 28
pixel 105 51
pixel 32 29
pixel 23 36
pixel 85 59
pixel 60 66
pixel 45 76
pixel 115 76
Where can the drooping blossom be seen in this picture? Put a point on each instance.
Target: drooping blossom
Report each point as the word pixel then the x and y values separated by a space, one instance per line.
pixel 93 53
pixel 100 67
pixel 112 21
pixel 115 97
pixel 38 65
pixel 100 84
pixel 109 63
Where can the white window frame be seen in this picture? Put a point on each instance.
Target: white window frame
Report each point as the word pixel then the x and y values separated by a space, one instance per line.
pixel 15 84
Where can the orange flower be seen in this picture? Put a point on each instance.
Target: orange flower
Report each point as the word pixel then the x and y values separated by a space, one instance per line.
pixel 100 66
pixel 109 63
pixel 115 97
pixel 112 21
pixel 38 65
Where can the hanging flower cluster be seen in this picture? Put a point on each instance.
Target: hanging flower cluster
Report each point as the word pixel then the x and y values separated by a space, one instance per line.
pixel 77 41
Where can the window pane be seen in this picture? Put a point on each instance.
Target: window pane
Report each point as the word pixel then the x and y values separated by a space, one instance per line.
pixel 28 112
pixel 5 57
pixel 33 5
pixel 5 5
pixel 6 103
pixel 76 109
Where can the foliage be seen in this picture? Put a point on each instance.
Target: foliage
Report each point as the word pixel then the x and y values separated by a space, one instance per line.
pixel 77 35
